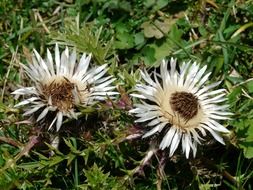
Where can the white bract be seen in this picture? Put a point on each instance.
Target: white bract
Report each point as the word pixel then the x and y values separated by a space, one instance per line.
pixel 62 84
pixel 182 105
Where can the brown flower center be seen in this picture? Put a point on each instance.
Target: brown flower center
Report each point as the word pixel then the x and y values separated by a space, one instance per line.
pixel 185 104
pixel 60 93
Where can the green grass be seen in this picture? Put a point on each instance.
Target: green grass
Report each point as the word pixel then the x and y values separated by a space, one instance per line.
pixel 127 35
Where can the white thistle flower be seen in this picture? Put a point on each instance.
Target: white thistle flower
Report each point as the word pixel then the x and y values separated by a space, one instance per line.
pixel 182 105
pixel 62 84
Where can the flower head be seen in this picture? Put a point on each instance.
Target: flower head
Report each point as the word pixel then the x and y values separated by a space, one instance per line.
pixel 62 84
pixel 182 105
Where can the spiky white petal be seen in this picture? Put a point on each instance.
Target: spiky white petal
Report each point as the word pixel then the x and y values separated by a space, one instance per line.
pixel 160 115
pixel 84 86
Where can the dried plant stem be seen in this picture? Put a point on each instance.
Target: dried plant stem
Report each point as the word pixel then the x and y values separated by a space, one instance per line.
pixel 32 141
pixel 37 14
pixel 230 178
pixel 145 160
pixel 13 58
pixel 25 150
pixel 10 141
pixel 160 171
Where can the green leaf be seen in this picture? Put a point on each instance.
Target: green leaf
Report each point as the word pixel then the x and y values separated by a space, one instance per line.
pixel 156 5
pixel 97 179
pixel 70 158
pixel 85 39
pixel 163 50
pixel 250 86
pixel 71 146
pixel 149 55
pixel 244 131
pixel 29 165
pixel 160 4
pixel 149 3
pixel 139 40
pixel 124 41
pixel 56 160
